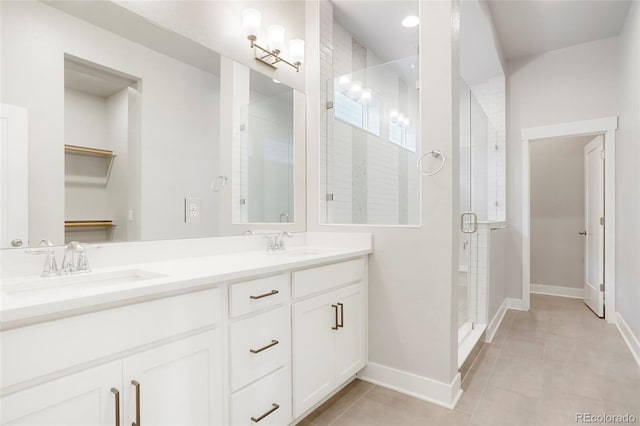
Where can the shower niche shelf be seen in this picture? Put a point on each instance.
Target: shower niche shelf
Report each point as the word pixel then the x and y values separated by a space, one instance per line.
pixel 88 166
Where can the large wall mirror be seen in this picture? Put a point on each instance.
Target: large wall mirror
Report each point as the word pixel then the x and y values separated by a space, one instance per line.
pixel 113 131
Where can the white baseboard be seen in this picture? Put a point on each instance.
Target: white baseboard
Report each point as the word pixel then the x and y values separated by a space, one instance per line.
pixel 628 336
pixel 513 303
pixel 553 290
pixel 493 326
pixel 440 393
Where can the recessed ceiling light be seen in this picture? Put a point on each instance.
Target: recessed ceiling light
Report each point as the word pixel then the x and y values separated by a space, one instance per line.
pixel 410 21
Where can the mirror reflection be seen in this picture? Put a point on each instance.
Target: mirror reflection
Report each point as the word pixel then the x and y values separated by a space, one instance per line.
pixel 265 155
pixel 111 136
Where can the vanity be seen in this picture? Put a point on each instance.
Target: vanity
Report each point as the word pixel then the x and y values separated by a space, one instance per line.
pixel 228 338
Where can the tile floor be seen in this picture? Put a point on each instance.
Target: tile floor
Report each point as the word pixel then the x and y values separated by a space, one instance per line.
pixel 542 368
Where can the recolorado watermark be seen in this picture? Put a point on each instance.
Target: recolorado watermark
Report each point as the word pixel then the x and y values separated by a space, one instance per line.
pixel 605 418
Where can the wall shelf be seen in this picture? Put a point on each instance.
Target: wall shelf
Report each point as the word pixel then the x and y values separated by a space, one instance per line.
pixel 78 224
pixel 84 174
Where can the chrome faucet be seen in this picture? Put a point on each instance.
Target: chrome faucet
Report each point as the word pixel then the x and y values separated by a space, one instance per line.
pixel 280 239
pixel 276 241
pixel 50 268
pixel 69 264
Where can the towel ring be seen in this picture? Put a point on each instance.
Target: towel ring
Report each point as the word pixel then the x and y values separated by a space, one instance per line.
pixel 222 179
pixel 436 154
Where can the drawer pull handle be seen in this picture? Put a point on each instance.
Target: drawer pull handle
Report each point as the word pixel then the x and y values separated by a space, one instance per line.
pixel 271 293
pixel 341 315
pixel 116 393
pixel 335 327
pixel 137 385
pixel 270 345
pixel 275 407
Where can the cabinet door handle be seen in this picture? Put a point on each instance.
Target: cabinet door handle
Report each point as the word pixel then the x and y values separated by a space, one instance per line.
pixel 341 315
pixel 137 385
pixel 336 310
pixel 270 345
pixel 116 393
pixel 271 293
pixel 274 408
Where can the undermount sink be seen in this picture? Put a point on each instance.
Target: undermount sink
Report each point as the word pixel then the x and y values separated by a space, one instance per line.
pixel 304 252
pixel 73 282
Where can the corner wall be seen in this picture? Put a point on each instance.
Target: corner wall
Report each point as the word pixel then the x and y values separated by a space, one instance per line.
pixel 628 177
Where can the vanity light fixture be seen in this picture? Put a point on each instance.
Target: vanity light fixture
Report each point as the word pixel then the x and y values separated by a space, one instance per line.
pixel 410 21
pixel 398 118
pixel 271 55
pixel 366 96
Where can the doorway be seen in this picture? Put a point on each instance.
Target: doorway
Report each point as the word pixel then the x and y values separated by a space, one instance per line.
pixel 603 235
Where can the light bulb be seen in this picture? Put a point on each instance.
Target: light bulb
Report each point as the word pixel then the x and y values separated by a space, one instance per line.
pixel 411 21
pixel 275 38
pixel 366 96
pixel 344 82
pixel 251 22
pixel 393 115
pixel 356 89
pixel 296 51
pixel 400 118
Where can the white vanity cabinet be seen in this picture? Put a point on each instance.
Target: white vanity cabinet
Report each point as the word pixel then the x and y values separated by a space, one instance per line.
pixel 329 331
pixel 260 351
pixel 159 361
pixel 82 399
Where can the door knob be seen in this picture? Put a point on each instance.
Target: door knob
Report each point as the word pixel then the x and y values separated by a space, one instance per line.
pixel 16 243
pixel 582 232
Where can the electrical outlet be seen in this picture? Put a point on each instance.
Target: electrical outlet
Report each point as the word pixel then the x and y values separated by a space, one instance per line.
pixel 192 210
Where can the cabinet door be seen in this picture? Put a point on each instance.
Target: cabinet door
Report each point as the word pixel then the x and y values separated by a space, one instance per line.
pixel 313 351
pixel 179 383
pixel 83 399
pixel 350 351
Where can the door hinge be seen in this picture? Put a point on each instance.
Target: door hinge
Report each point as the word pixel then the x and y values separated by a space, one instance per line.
pixel 243 201
pixel 329 105
pixel 243 127
pixel 602 155
pixel 602 220
pixel 601 287
pixel 329 197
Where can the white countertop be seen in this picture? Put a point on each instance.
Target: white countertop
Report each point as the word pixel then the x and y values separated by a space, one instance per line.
pixel 20 305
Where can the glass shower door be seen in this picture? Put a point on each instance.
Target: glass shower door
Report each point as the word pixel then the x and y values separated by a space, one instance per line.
pixel 467 271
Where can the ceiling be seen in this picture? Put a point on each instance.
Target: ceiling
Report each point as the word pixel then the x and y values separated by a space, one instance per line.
pixel 378 25
pixel 479 59
pixel 531 27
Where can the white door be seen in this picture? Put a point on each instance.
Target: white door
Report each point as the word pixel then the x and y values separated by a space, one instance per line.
pixel 14 177
pixel 87 398
pixel 176 384
pixel 314 328
pixel 350 338
pixel 594 225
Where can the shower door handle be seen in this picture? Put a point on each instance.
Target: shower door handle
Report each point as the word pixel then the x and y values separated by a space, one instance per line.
pixel 474 223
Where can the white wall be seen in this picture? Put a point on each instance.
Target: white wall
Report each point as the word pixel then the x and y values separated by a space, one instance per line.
pixel 179 116
pixel 564 85
pixel 628 174
pixel 557 211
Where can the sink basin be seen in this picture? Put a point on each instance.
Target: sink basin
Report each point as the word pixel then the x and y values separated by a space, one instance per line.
pixel 39 286
pixel 304 252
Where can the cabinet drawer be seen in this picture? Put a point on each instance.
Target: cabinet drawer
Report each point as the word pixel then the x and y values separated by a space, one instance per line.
pixel 72 341
pixel 322 278
pixel 254 351
pixel 250 296
pixel 261 398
